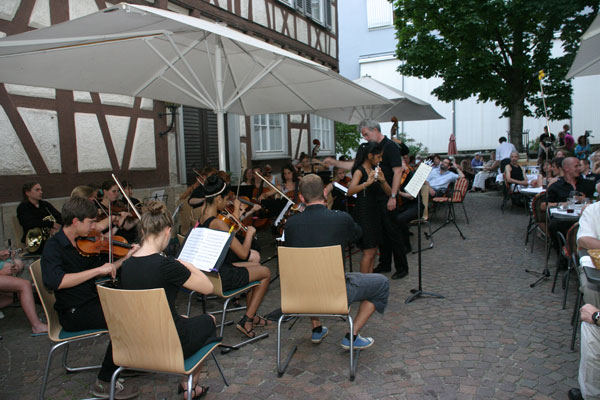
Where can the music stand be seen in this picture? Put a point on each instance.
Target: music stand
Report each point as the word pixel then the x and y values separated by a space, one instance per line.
pixel 451 217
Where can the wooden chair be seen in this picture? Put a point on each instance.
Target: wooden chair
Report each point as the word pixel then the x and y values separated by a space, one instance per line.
pixel 313 284
pixel 424 219
pixel 56 333
pixel 227 295
pixel 144 336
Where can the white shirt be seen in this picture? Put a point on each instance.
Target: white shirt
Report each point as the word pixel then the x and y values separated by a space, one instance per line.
pixel 503 151
pixel 589 223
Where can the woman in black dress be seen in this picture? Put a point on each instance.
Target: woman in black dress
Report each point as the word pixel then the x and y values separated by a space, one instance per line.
pixel 236 274
pixel 148 269
pixel 366 183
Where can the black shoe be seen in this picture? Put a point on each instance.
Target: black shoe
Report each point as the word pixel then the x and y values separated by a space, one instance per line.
pixel 575 394
pixel 399 275
pixel 382 270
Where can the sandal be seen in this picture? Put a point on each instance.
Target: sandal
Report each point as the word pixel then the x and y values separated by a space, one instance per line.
pixel 195 394
pixel 241 326
pixel 261 321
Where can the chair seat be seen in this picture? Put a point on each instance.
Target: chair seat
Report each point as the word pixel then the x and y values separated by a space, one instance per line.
pixel 233 292
pixel 416 221
pixel 191 362
pixel 64 335
pixel 440 199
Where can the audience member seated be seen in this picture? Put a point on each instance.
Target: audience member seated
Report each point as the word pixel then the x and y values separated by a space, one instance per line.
pixel 503 153
pixel 589 363
pixel 588 237
pixel 546 176
pixel 490 170
pixel 467 170
pixel 477 161
pixel 440 178
pixel 436 161
pixel 317 226
pixel 586 171
pixel 516 178
pixel 546 150
pixel 148 269
pixel 583 149
pixel 10 265
pixel 72 278
pixel 33 212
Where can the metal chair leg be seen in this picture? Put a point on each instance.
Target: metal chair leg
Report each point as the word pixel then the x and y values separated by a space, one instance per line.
pixel 219 368
pixel 281 368
pixel 113 382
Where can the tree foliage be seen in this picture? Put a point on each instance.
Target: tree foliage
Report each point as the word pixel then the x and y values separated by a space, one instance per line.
pixel 347 138
pixel 493 49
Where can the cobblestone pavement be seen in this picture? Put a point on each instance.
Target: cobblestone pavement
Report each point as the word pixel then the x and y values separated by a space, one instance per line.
pixel 492 337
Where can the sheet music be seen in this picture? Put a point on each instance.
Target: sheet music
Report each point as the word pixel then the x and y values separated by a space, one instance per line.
pixel 206 248
pixel 418 179
pixel 282 213
pixel 342 188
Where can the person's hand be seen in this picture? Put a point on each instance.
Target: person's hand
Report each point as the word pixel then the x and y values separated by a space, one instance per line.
pixel 380 175
pixel 132 250
pixel 586 313
pixel 261 197
pixel 237 204
pixel 370 178
pixel 391 204
pixel 251 231
pixel 405 195
pixel 328 161
pixel 108 269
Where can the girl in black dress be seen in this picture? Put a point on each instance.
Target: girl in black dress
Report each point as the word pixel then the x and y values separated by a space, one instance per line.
pixel 366 186
pixel 236 274
pixel 148 269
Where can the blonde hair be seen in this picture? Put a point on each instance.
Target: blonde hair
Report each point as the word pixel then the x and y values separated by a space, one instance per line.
pixel 155 219
pixel 83 191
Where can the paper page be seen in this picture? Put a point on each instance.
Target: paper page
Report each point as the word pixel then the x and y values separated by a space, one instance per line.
pixel 205 248
pixel 418 179
pixel 282 213
pixel 342 188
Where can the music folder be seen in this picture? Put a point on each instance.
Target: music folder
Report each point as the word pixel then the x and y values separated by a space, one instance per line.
pixel 206 248
pixel 414 186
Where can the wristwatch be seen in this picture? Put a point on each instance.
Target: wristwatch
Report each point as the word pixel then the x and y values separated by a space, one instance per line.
pixel 596 317
pixel 393 196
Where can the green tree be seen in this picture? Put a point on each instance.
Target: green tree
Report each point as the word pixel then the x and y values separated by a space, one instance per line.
pixel 493 49
pixel 347 138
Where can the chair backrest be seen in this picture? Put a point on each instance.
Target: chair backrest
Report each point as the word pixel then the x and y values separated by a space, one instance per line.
pixel 536 208
pixel 572 239
pixel 460 190
pixel 141 329
pixel 312 280
pixel 215 279
pixel 47 298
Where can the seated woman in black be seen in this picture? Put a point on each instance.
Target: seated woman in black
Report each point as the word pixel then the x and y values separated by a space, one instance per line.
pixel 33 212
pixel 125 223
pixel 147 269
pixel 236 274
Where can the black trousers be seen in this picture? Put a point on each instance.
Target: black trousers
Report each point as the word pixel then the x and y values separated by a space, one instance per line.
pixel 403 215
pixel 90 316
pixel 393 238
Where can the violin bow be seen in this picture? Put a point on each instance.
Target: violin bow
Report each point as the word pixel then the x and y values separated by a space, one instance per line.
pixel 126 197
pixel 273 187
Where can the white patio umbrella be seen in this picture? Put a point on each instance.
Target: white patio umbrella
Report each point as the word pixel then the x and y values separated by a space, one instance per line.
pixel 143 51
pixel 403 106
pixel 587 60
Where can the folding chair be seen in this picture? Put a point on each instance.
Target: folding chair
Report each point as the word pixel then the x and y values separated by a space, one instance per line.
pixel 424 219
pixel 144 336
pixel 56 333
pixel 454 194
pixel 227 296
pixel 313 284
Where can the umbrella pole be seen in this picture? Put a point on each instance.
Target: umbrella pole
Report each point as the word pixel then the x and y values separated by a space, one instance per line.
pixel 220 111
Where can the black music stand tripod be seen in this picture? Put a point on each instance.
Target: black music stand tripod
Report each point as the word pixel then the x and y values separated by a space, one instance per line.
pixel 416 293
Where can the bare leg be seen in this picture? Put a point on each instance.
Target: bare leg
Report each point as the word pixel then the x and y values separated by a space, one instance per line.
pixel 260 273
pixel 254 257
pixel 367 260
pixel 364 312
pixel 25 293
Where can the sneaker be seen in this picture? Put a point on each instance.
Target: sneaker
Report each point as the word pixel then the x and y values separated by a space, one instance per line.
pixel 317 337
pixel 360 343
pixel 102 390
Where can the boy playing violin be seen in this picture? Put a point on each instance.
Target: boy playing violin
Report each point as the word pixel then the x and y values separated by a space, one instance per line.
pixel 72 278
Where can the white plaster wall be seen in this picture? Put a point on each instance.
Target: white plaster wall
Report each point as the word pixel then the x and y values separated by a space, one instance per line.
pixel 296 118
pixel 147 104
pixel 143 153
pixel 259 12
pixel 32 91
pixel 43 127
pixel 278 15
pixel 295 135
pixel 8 9
pixel 91 150
pixel 585 107
pixel 82 97
pixel 116 100
pixel 80 8
pixel 242 126
pixel 15 161
pixel 118 126
pixel 244 9
pixel 172 149
pixel 333 47
pixel 40 15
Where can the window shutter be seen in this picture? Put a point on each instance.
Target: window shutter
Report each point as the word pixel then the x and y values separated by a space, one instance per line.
pixel 328 13
pixel 308 8
pixel 300 5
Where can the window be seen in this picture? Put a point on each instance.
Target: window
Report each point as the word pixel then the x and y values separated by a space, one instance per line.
pixel 287 2
pixel 322 129
pixel 380 14
pixel 318 10
pixel 269 136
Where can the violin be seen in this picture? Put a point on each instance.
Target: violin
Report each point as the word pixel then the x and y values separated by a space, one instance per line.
pixel 96 243
pixel 232 221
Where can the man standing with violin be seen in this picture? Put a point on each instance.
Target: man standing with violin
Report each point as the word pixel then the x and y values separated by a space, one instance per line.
pixel 72 278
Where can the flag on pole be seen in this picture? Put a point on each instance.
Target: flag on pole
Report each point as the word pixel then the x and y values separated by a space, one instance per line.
pixel 541 74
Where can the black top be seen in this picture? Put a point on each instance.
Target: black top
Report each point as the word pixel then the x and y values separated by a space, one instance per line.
pixel 60 258
pixel 559 190
pixel 392 158
pixel 547 139
pixel 317 226
pixel 155 271
pixel 516 173
pixel 31 216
